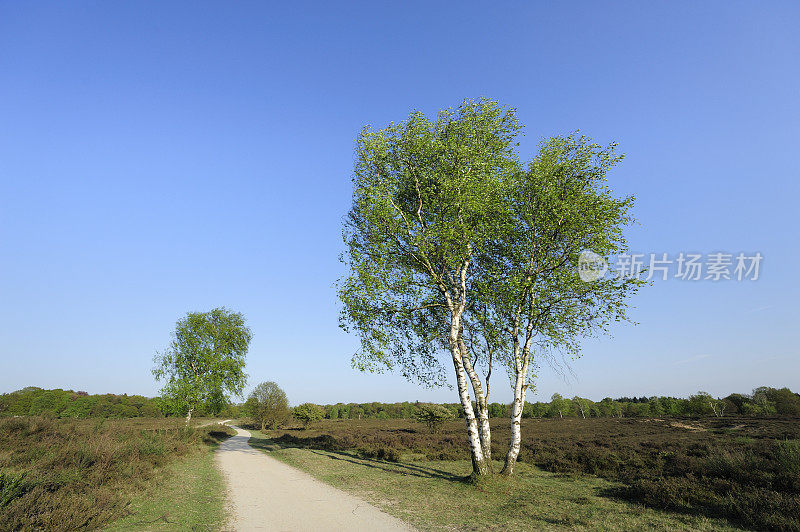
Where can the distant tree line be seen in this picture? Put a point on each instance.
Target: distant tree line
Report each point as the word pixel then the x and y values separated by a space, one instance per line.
pixel 33 401
pixel 763 401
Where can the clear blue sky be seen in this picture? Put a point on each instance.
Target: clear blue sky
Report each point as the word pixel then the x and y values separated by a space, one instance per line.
pixel 157 158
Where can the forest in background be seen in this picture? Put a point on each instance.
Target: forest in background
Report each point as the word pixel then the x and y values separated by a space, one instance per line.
pixel 763 401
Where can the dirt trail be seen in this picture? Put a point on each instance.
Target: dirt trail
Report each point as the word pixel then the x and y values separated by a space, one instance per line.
pixel 269 495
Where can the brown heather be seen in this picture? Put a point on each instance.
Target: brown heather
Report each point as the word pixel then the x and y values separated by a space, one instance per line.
pixel 61 474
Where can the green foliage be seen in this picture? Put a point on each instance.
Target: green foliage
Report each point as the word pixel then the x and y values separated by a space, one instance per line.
pixel 700 404
pixel 32 401
pixel 205 360
pixel 559 406
pixel 785 401
pixel 498 410
pixel 432 416
pixel 557 207
pixel 628 407
pixel 268 405
pixel 308 413
pixel 428 198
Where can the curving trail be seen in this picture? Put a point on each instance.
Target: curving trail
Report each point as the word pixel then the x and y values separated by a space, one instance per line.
pixel 269 495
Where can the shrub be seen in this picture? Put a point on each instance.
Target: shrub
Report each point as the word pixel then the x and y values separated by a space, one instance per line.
pixel 268 405
pixel 432 416
pixel 380 453
pixel 307 413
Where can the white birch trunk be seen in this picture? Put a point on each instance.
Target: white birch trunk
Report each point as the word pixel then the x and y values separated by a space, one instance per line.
pixel 481 405
pixel 520 389
pixel 479 465
pixel 189 416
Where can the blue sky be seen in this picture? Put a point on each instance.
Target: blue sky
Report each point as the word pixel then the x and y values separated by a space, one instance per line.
pixel 157 158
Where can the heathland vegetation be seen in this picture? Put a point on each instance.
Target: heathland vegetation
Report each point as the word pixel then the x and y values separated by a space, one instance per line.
pixel 71 474
pixel 734 458
pixel 745 470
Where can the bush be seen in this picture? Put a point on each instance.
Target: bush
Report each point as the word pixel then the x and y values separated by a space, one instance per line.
pixel 432 416
pixel 307 413
pixel 380 453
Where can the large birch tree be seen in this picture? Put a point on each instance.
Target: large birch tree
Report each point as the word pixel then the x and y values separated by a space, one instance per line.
pixel 428 201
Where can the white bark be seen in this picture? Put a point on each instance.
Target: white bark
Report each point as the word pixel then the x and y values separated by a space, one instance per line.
pixel 520 389
pixel 189 416
pixel 479 465
pixel 481 403
pixel 522 359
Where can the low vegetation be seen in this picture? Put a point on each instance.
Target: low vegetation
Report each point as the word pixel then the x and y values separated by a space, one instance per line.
pixel 75 474
pixel 192 496
pixel 745 470
pixel 432 494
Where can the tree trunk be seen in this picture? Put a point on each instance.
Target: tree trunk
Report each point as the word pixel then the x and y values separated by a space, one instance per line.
pixel 479 464
pixel 189 416
pixel 485 433
pixel 520 388
pixel 481 405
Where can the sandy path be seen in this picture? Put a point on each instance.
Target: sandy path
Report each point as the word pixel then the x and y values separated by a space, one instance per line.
pixel 269 495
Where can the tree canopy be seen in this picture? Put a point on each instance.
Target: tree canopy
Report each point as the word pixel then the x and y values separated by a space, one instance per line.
pixel 268 405
pixel 204 363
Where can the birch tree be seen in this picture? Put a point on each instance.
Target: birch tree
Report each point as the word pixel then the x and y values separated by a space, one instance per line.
pixel 454 246
pixel 428 201
pixel 205 361
pixel 560 206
